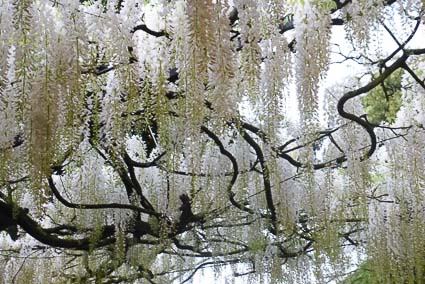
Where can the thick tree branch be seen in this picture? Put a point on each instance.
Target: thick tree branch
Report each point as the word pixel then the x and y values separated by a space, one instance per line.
pixel 143 27
pixel 235 170
pixel 266 181
pixel 57 194
pixel 20 216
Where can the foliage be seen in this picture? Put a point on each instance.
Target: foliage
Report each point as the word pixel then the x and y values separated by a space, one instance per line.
pixel 382 103
pixel 144 141
pixel 362 275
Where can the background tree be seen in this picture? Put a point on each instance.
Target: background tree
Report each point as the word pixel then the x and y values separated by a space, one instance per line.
pixel 143 141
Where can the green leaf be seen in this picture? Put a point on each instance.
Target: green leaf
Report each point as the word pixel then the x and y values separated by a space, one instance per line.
pixel 363 275
pixel 383 103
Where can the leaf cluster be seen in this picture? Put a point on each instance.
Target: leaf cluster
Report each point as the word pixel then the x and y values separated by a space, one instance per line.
pixel 383 103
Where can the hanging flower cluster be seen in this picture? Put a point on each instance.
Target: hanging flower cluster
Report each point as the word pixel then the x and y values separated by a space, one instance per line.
pixel 143 141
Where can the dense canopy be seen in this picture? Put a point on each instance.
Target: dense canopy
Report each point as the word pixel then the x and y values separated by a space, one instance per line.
pixel 262 140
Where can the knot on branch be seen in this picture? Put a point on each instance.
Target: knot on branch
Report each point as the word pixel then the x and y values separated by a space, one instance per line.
pixel 10 226
pixel 187 215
